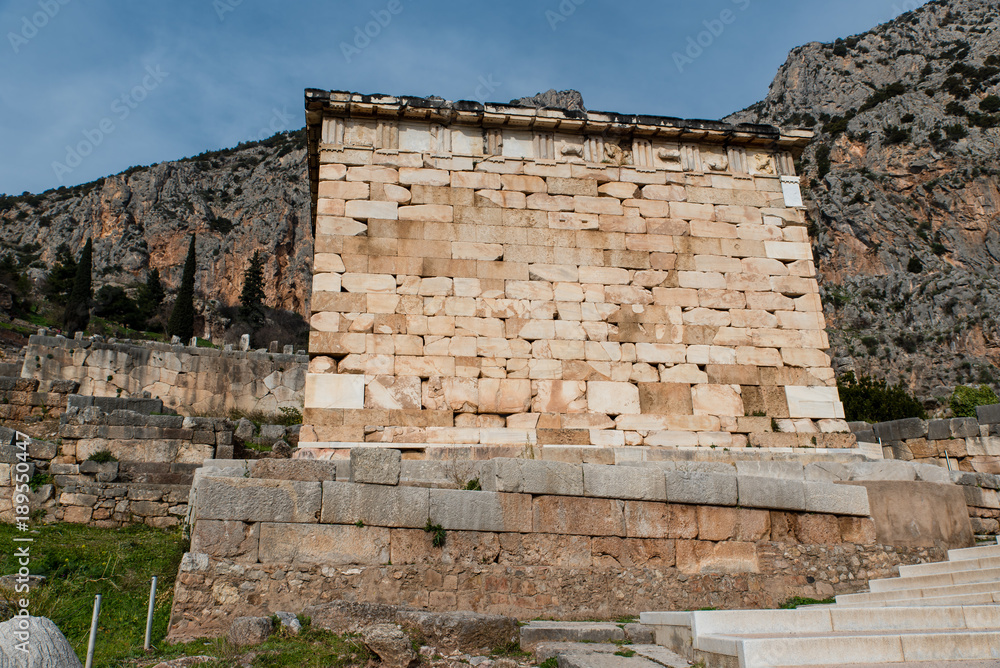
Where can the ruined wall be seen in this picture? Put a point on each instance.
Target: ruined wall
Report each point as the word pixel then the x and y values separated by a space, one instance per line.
pixel 542 539
pixel 508 277
pixel 189 380
pixel 20 398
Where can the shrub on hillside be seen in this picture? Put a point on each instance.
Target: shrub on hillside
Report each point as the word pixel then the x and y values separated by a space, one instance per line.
pixel 872 400
pixel 965 399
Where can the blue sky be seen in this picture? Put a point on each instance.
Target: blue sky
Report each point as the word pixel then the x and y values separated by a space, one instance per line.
pixel 91 88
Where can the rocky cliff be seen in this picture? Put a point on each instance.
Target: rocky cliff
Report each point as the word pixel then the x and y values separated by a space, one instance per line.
pixel 902 179
pixel 252 197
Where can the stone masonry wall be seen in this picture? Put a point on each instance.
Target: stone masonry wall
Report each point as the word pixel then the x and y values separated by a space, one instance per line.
pixel 189 380
pixel 20 398
pixel 541 538
pixel 506 276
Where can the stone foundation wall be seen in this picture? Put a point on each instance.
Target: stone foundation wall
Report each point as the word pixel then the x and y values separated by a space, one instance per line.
pixel 110 505
pixel 21 398
pixel 189 380
pixel 538 538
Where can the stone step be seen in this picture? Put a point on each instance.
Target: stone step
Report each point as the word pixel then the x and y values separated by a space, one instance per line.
pixel 938 567
pixel 936 580
pixel 890 648
pixel 603 655
pixel 982 598
pixel 985 663
pixel 924 592
pixel 822 619
pixel 536 632
pixel 983 552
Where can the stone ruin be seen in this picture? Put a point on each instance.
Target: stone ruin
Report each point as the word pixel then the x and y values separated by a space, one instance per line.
pixel 562 363
pixel 502 280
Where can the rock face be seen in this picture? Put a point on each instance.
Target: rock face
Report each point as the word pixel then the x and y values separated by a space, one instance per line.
pixel 48 646
pixel 904 188
pixel 570 100
pixel 249 198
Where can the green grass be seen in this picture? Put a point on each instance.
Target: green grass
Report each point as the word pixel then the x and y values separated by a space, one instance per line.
pixel 80 562
pixel 796 601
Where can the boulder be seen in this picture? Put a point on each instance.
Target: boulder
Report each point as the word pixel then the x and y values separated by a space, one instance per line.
pixel 391 645
pixel 48 646
pixel 250 631
pixel 289 623
pixel 281 449
pixel 244 430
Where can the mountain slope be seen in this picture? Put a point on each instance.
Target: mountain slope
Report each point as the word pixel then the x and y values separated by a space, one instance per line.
pixel 252 197
pixel 904 189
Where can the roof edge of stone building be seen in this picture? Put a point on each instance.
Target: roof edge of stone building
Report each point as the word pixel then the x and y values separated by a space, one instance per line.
pixel 500 115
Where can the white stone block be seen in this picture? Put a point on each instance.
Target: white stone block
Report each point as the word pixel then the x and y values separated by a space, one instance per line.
pixel 335 391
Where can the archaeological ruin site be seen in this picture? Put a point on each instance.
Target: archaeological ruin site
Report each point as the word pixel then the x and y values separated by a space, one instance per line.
pixel 564 366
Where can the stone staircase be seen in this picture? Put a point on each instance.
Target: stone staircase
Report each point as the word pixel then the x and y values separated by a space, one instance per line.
pixel 941 614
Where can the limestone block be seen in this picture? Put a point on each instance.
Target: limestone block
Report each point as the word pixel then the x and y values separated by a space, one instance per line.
pixel 988 414
pixel 660 353
pixel 377 466
pixel 257 500
pixel 504 396
pixel 525 184
pixel 579 516
pixel 297 545
pixel 787 250
pixel 689 211
pixel 559 396
pixel 461 510
pixel 834 499
pixel 393 392
pixel 384 283
pixel 365 209
pixel 605 275
pixel 343 190
pixel 437 213
pixel 813 402
pixel 613 398
pixel 238 541
pixel 334 391
pixel 424 177
pixel 665 398
pixel 772 493
pixel 720 400
pixel 624 482
pixel 701 488
pixel 375 505
pixel 532 476
pixel 697 556
pixel 683 373
pixel 771 469
pixel 338 226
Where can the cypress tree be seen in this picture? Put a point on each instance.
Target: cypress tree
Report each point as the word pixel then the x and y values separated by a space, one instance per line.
pixel 252 296
pixel 181 323
pixel 76 317
pixel 154 289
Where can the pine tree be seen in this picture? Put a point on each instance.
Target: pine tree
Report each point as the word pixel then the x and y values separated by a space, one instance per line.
pixel 153 290
pixel 181 323
pixel 76 317
pixel 59 283
pixel 252 296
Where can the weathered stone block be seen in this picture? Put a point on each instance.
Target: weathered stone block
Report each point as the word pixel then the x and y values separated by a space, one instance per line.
pixel 322 545
pixel 775 493
pixel 304 470
pixel 579 516
pixel 624 482
pixel 836 499
pixel 480 511
pixel 988 414
pixel 701 488
pixel 254 500
pixel 226 540
pixel 964 427
pixel 698 556
pixel 374 505
pixel 377 466
pixel 532 476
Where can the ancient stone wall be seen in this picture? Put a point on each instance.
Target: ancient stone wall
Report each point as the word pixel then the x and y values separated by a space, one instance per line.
pixel 962 444
pixel 190 380
pixel 510 277
pixel 540 538
pixel 20 398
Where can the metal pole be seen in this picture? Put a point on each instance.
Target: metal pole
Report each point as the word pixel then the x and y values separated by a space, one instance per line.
pixel 149 615
pixel 93 631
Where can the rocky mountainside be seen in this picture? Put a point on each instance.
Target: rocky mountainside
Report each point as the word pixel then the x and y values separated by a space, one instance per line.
pixel 249 198
pixel 903 184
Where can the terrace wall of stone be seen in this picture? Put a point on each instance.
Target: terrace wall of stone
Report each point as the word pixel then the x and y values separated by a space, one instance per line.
pixel 540 538
pixel 188 379
pixel 506 277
